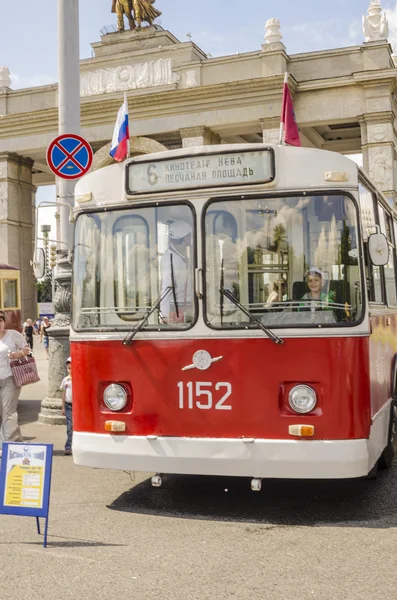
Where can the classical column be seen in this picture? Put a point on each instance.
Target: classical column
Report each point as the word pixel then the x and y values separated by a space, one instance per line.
pixel 379 148
pixel 271 130
pixel 59 349
pixel 17 201
pixel 198 136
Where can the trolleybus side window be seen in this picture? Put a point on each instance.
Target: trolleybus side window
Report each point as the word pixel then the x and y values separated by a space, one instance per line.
pixel 390 269
pixel 265 267
pixel 369 219
pixel 87 271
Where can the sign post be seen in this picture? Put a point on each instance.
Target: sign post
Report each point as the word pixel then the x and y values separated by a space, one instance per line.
pixel 25 481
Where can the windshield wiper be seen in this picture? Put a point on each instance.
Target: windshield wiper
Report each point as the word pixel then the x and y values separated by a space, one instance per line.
pixel 127 340
pixel 173 287
pixel 269 333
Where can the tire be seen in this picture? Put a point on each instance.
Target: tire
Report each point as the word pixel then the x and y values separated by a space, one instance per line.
pixel 386 459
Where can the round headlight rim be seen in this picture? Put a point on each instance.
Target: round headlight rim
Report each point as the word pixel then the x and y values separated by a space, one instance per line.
pixel 125 394
pixel 306 387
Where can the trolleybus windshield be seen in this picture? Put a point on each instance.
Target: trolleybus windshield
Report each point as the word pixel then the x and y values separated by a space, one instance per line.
pixel 125 261
pixel 291 261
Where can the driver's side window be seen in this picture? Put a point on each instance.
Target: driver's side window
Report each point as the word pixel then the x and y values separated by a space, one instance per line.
pixel 369 219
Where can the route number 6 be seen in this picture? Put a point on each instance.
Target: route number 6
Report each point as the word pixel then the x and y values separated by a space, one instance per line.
pixel 202 389
pixel 152 176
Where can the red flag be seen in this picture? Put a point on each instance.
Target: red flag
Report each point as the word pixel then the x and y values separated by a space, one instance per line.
pixel 289 127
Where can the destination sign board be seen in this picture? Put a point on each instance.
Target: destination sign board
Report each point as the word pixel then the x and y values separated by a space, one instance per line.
pixel 201 171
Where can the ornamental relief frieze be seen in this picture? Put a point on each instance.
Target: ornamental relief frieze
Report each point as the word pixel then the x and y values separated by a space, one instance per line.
pixel 3 202
pixel 381 167
pixel 128 77
pixel 379 133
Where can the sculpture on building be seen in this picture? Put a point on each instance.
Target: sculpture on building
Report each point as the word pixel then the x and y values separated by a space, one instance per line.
pixel 272 32
pixel 121 8
pixel 375 25
pixel 5 77
pixel 144 11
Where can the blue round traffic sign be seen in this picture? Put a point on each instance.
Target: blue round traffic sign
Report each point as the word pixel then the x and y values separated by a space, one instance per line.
pixel 69 156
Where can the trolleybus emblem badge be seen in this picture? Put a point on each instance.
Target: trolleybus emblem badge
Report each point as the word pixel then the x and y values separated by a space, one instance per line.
pixel 202 360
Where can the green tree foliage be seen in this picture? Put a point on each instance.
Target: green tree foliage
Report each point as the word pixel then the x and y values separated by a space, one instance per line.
pixel 44 290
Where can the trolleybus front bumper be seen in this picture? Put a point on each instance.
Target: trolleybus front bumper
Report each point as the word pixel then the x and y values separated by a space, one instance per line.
pixel 286 459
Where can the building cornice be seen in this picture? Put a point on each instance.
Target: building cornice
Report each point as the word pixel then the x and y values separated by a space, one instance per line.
pixel 101 110
pixel 149 54
pixel 335 52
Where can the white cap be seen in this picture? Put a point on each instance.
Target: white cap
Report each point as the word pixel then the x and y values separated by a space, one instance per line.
pixel 179 229
pixel 69 360
pixel 316 271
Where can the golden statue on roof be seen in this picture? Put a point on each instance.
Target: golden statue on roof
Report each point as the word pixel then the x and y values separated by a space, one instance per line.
pixel 144 11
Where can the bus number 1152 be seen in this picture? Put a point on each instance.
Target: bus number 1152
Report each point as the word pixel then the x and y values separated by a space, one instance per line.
pixel 200 395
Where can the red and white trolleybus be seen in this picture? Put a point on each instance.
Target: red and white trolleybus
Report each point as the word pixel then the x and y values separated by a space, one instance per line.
pixel 234 313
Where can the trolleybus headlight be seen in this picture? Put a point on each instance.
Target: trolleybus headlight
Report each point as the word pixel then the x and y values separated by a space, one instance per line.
pixel 115 397
pixel 302 399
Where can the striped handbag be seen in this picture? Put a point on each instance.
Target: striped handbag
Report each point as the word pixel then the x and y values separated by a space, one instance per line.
pixel 24 371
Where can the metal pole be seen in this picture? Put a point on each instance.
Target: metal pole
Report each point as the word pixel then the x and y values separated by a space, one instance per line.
pixel 69 122
pixel 68 97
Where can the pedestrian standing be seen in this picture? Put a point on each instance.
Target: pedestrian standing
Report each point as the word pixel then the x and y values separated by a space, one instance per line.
pixel 37 326
pixel 45 325
pixel 29 332
pixel 66 387
pixel 12 346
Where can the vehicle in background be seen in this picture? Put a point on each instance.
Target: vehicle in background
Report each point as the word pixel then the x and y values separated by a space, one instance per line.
pixel 10 296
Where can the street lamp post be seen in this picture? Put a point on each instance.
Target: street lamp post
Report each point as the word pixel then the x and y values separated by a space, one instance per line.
pixel 68 122
pixel 45 230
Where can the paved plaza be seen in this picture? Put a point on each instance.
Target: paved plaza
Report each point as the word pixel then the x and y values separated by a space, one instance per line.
pixel 196 537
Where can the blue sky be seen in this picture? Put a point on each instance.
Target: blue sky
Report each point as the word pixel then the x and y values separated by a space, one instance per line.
pixel 28 35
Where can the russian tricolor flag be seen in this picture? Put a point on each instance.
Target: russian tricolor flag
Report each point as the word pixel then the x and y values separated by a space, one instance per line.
pixel 121 135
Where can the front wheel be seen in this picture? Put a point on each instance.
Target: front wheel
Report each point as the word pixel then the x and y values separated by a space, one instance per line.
pixel 390 451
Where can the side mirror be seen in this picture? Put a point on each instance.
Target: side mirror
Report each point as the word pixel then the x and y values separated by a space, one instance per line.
pixel 378 249
pixel 39 263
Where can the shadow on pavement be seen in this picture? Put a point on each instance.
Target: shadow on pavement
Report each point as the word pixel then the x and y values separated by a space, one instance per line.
pixel 68 544
pixel 28 411
pixel 340 503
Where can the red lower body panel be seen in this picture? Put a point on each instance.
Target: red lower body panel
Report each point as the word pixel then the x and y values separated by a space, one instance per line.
pixel 244 394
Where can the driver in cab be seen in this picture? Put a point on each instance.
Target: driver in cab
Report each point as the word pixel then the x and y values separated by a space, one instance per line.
pixel 315 298
pixel 176 274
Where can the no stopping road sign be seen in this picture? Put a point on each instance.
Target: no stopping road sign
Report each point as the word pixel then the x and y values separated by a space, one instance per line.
pixel 69 156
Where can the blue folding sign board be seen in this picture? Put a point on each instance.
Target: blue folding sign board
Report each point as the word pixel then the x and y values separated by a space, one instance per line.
pixel 69 156
pixel 25 481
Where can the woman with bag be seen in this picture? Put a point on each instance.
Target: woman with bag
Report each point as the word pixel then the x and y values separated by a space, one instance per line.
pixel 12 347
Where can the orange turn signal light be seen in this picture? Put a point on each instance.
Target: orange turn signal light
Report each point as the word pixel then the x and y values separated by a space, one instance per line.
pixel 301 430
pixel 115 426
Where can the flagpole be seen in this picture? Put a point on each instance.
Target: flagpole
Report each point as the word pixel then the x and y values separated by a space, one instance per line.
pixel 128 137
pixel 282 121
